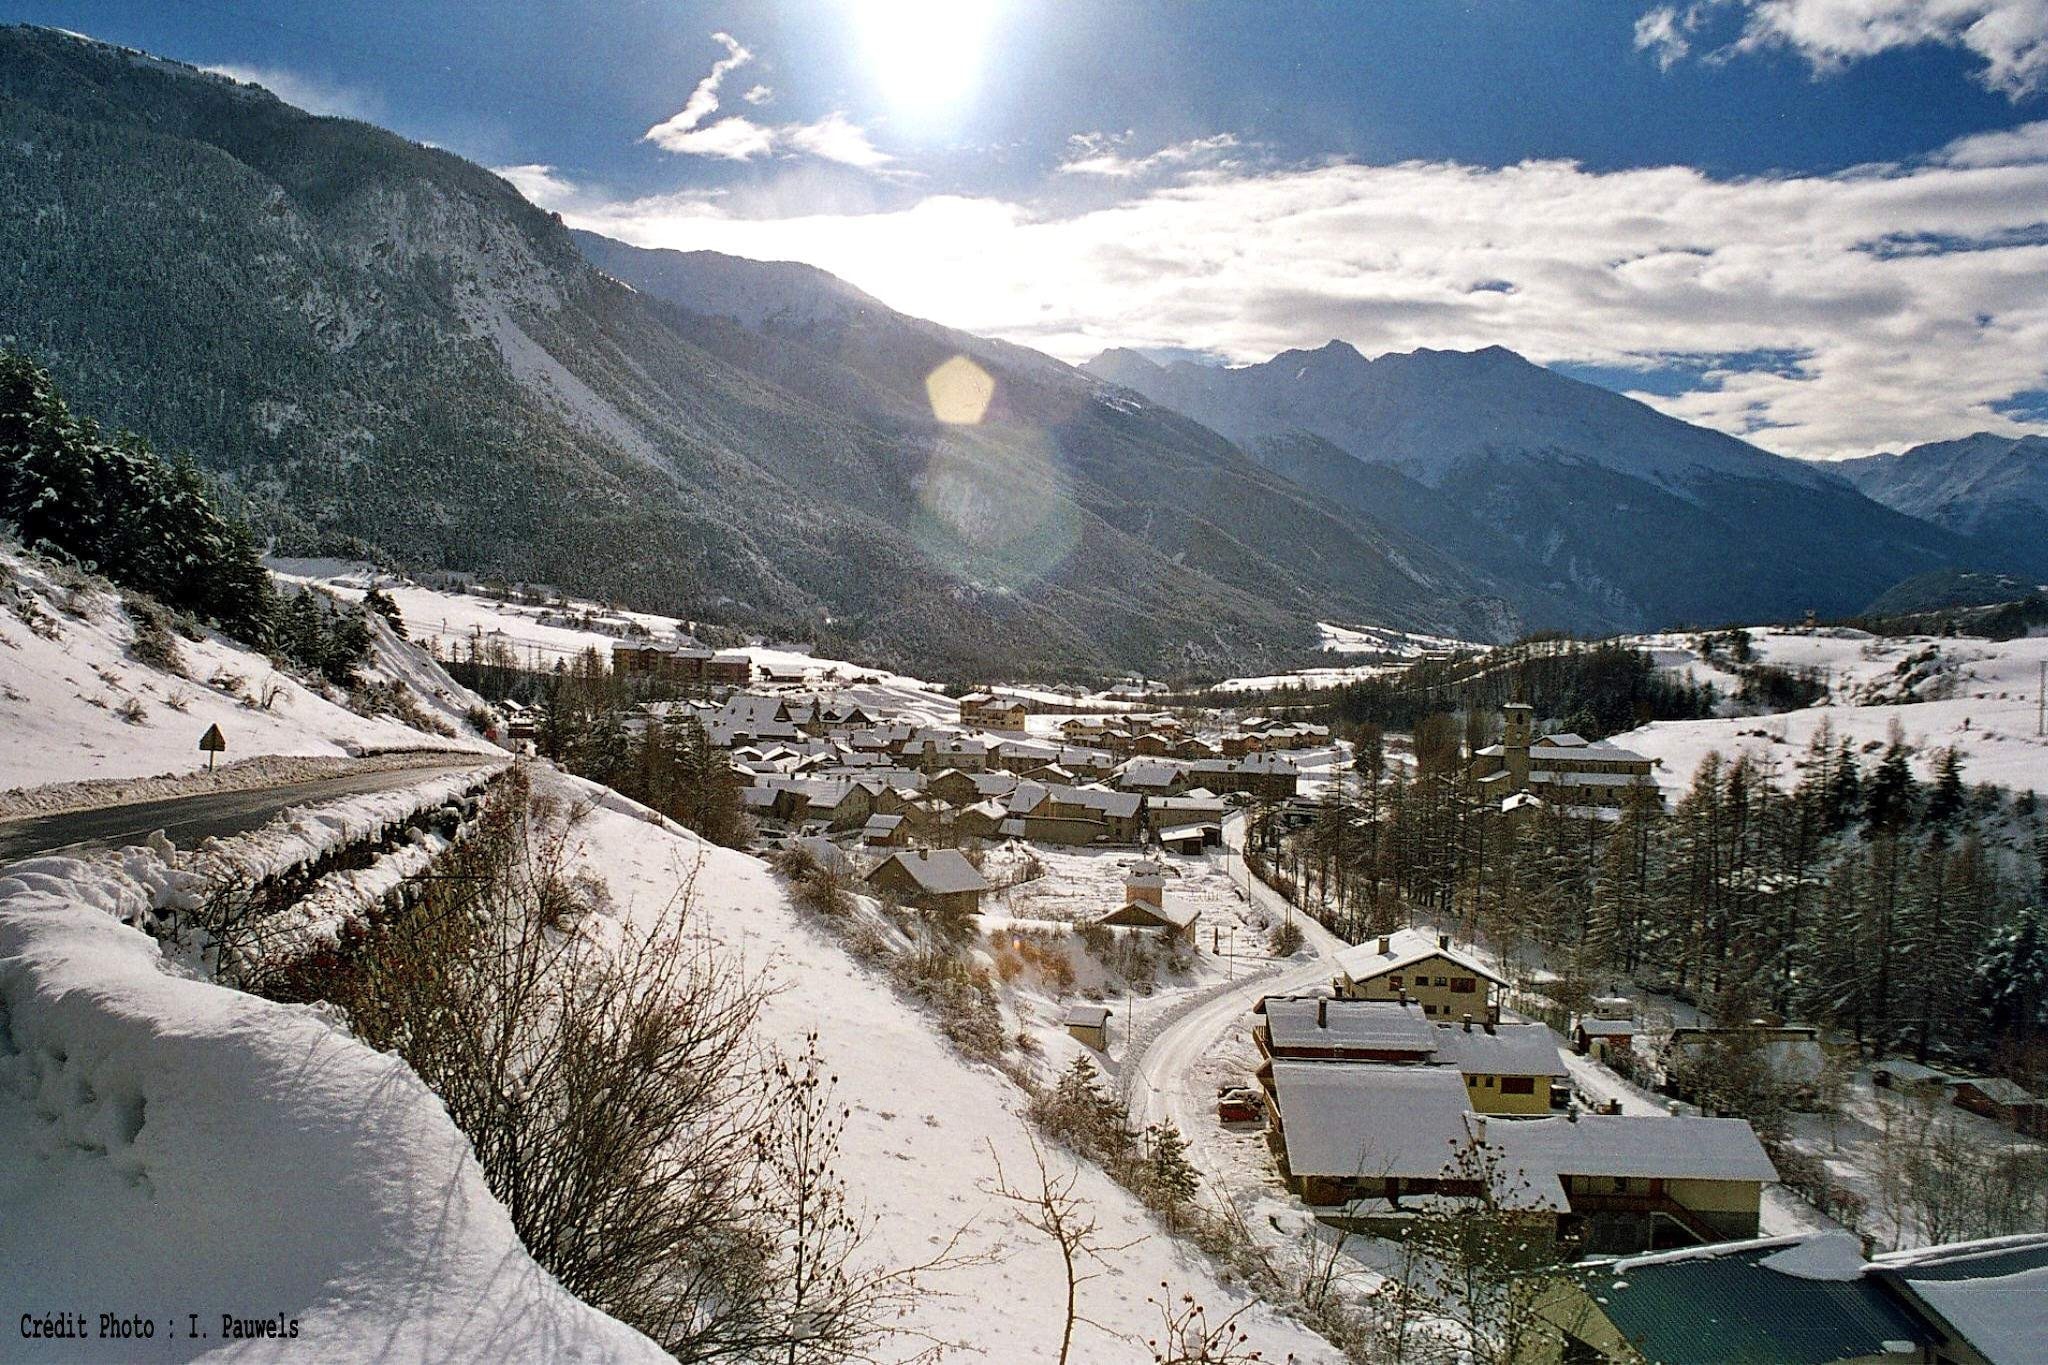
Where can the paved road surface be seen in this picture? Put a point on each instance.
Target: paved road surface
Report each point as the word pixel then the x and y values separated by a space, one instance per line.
pixel 188 819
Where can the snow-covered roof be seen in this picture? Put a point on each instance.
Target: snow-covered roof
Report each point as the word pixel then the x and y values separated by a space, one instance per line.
pixel 1182 833
pixel 1296 1022
pixel 1369 1119
pixel 937 871
pixel 1086 1016
pixel 1510 1050
pixel 881 824
pixel 1993 1294
pixel 1605 1028
pixel 1403 948
pixel 1679 1147
pixel 1998 1089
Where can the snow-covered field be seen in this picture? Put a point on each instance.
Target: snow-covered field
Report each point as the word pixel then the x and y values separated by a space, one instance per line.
pixel 1384 640
pixel 540 636
pixel 1978 696
pixel 76 704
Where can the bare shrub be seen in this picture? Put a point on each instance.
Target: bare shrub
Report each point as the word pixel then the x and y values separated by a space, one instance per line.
pixel 133 711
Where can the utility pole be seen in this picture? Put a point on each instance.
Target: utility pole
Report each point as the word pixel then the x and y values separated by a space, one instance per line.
pixel 2041 702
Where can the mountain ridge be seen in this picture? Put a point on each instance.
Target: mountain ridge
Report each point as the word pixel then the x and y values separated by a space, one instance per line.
pixel 1602 512
pixel 383 349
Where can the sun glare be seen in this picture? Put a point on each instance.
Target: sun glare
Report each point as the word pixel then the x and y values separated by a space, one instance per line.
pixel 925 54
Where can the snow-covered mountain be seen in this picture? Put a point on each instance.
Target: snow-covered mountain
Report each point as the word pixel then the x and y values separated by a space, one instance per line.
pixel 391 355
pixel 1991 487
pixel 1604 513
pixel 1424 411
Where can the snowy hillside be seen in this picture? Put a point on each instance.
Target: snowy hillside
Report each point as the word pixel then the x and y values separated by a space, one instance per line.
pixel 80 704
pixel 1975 695
pixel 445 622
pixel 928 1128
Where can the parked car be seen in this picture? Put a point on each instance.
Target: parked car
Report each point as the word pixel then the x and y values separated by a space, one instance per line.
pixel 1240 1104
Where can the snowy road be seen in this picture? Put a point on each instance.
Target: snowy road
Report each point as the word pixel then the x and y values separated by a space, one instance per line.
pixel 1159 1085
pixel 189 819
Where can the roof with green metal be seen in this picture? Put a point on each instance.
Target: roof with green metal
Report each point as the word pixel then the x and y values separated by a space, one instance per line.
pixel 1724 1306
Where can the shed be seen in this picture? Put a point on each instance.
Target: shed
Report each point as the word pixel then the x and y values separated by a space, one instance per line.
pixel 1089 1025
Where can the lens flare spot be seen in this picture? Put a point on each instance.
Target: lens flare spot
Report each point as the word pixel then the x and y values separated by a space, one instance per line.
pixel 959 391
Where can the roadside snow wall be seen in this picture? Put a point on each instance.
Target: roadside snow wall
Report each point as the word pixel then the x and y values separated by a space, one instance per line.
pixel 169 1147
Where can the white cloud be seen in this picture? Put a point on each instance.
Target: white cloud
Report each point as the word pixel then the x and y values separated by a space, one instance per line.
pixel 679 132
pixel 1916 296
pixel 2010 36
pixel 310 93
pixel 1100 154
pixel 834 137
pixel 1662 31
pixel 2011 147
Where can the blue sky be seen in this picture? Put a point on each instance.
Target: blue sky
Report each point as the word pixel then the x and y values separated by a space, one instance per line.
pixel 1688 201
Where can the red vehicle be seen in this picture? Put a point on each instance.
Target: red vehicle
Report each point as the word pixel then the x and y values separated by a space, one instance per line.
pixel 1240 1104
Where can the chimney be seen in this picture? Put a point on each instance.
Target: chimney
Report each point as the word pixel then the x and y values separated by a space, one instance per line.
pixel 1468 1023
pixel 1673 1108
pixel 1443 940
pixel 1571 1115
pixel 1385 945
pixel 1322 1012
pixel 1404 999
pixel 1479 1128
pixel 1488 1026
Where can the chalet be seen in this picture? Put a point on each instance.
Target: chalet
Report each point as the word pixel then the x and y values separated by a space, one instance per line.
pixel 1269 777
pixel 1910 1078
pixel 931 879
pixel 1317 1028
pixel 1506 1068
pixel 884 831
pixel 987 711
pixel 666 661
pixel 1600 1038
pixel 1626 1183
pixel 1411 965
pixel 1347 1131
pixel 982 820
pixel 1174 920
pixel 1998 1098
pixel 1563 770
pixel 957 788
pixel 732 669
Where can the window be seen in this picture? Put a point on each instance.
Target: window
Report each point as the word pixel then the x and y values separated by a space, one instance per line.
pixel 1462 985
pixel 1486 1081
pixel 1394 983
pixel 1621 1184
pixel 1518 1085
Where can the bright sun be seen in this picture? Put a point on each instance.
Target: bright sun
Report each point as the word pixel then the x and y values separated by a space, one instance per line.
pixel 925 54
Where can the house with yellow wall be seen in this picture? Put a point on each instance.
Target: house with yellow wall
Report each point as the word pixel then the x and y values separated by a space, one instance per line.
pixel 1409 964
